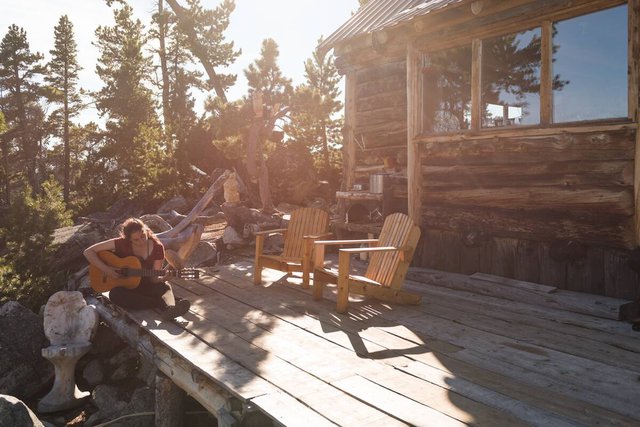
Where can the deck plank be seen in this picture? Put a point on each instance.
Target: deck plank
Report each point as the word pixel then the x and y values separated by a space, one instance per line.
pixel 469 354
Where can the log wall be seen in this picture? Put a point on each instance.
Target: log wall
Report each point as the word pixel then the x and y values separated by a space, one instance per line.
pixel 554 209
pixel 551 204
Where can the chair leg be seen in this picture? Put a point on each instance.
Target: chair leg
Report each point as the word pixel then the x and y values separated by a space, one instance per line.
pixel 257 274
pixel 343 295
pixel 305 274
pixel 318 287
pixel 344 262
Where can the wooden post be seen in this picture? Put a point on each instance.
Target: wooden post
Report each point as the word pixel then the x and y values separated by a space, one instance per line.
pixel 414 113
pixel 546 75
pixel 349 159
pixel 476 84
pixel 634 99
pixel 169 403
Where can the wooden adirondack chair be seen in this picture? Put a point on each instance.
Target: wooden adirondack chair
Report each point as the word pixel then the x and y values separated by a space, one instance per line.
pixel 305 226
pixel 391 255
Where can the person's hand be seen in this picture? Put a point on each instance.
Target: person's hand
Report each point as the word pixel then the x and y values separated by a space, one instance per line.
pixel 113 273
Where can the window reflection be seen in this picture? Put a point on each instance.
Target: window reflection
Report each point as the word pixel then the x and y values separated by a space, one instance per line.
pixel 590 55
pixel 511 79
pixel 447 90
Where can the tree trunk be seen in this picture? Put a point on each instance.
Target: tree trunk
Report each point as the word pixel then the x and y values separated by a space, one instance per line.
pixel 67 149
pixel 196 48
pixel 162 33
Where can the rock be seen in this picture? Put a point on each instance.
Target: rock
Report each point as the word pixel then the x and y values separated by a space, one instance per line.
pixel 106 398
pixel 106 341
pixel 155 223
pixel 13 412
pixel 204 255
pixel 23 370
pixel 70 242
pixel 232 238
pixel 93 373
pixel 125 363
pixel 177 203
pixel 287 207
pixel 142 400
pixel 147 371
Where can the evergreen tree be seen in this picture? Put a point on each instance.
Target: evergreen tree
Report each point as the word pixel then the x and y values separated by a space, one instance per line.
pixel 264 76
pixel 19 95
pixel 63 81
pixel 204 29
pixel 314 108
pixel 24 272
pixel 4 167
pixel 132 126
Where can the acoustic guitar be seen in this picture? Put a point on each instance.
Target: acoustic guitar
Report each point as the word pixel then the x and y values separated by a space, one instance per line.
pixel 130 268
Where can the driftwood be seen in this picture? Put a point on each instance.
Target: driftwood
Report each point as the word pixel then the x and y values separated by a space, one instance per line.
pixel 197 209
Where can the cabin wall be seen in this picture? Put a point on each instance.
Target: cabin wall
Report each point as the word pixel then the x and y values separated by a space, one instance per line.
pixel 555 208
pixel 380 117
pixel 548 204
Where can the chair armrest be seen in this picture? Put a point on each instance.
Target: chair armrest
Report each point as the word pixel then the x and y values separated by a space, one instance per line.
pixel 345 242
pixel 318 236
pixel 274 231
pixel 320 244
pixel 404 250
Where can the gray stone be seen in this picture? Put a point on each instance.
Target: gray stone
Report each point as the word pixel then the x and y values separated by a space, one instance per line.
pixel 155 223
pixel 93 373
pixel 147 371
pixel 107 399
pixel 232 238
pixel 23 370
pixel 177 203
pixel 205 254
pixel 14 413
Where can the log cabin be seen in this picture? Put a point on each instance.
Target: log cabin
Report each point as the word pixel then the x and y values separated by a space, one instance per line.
pixel 510 129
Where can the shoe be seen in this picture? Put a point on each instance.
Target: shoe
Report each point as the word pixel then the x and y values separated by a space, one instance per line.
pixel 181 308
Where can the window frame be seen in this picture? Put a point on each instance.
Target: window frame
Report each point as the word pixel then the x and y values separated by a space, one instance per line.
pixel 546 77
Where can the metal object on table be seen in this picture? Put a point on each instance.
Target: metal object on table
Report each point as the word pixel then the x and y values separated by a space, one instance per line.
pixel 377 182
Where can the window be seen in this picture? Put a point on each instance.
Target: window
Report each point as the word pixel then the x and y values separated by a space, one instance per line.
pixel 511 79
pixel 446 90
pixel 590 66
pixel 588 76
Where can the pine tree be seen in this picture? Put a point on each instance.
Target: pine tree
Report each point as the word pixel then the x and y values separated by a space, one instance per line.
pixel 264 76
pixel 132 126
pixel 63 81
pixel 314 109
pixel 19 95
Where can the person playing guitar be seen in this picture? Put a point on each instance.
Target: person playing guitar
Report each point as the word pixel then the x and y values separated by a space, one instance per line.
pixel 136 239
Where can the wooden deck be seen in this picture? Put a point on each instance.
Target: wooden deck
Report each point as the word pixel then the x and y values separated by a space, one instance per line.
pixel 478 351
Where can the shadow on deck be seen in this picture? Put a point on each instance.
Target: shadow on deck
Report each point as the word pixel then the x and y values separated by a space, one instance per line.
pixel 478 350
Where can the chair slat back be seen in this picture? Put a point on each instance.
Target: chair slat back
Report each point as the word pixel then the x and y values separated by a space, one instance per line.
pixel 304 222
pixel 387 268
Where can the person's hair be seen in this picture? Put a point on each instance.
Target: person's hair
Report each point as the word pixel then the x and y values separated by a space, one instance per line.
pixel 133 225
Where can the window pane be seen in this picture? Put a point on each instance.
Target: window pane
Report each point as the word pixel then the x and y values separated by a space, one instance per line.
pixel 511 79
pixel 590 66
pixel 446 90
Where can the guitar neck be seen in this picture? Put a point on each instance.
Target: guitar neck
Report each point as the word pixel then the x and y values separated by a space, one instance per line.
pixel 145 272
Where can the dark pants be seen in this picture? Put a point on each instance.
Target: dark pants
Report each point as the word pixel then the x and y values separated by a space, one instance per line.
pixel 146 295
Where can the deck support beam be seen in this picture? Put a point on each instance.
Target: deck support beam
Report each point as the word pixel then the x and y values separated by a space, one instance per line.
pixel 414 114
pixel 634 100
pixel 214 399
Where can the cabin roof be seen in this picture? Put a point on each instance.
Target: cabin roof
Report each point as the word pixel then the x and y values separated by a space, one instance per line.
pixel 380 14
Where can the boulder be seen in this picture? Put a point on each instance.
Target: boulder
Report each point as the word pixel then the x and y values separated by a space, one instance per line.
pixel 13 412
pixel 204 255
pixel 23 370
pixel 155 223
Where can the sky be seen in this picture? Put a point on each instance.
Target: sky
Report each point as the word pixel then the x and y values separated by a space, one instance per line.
pixel 295 25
